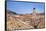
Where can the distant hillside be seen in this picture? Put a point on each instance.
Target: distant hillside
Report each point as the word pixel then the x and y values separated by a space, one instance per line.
pixel 11 12
pixel 40 13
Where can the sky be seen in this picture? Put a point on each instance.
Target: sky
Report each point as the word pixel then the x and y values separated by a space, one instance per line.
pixel 25 7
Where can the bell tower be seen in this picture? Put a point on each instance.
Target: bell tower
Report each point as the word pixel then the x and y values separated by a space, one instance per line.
pixel 35 18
